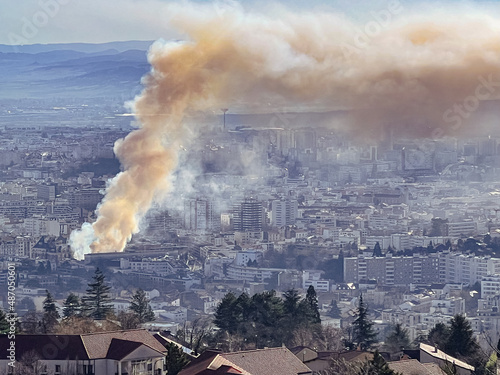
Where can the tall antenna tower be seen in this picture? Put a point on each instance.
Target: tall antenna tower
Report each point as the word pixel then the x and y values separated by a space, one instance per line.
pixel 224 110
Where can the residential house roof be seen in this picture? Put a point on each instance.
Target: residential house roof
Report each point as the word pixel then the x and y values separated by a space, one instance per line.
pixel 165 340
pixel 272 361
pixel 119 349
pixel 438 354
pixel 97 344
pixel 414 367
pixel 54 346
pixel 112 345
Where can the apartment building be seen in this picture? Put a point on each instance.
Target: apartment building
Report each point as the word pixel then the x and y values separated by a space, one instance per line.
pixel 442 267
pixel 391 270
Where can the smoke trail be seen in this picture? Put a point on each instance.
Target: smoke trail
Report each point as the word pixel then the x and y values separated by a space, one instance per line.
pixel 405 76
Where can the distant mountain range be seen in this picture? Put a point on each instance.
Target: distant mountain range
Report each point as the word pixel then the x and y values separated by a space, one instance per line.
pixel 73 70
pixel 79 47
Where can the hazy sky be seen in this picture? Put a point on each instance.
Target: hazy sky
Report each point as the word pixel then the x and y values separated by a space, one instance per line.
pixel 63 21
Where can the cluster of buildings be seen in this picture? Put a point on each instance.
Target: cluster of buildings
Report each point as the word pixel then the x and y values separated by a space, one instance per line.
pixel 273 208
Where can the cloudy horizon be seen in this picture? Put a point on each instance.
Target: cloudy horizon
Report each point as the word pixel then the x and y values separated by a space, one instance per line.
pixel 68 21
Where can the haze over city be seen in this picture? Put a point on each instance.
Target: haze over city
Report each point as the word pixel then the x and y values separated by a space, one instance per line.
pixel 314 178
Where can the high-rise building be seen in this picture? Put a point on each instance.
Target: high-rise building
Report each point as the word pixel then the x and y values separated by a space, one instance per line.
pixel 200 215
pixel 247 216
pixel 283 212
pixel 47 192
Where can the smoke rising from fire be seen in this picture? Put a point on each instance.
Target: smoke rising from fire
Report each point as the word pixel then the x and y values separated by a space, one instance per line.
pixel 408 73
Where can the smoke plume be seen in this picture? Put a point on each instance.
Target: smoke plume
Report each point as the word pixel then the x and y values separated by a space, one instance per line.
pixel 423 75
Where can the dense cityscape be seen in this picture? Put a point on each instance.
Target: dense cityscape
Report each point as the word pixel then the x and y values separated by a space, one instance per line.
pixel 290 240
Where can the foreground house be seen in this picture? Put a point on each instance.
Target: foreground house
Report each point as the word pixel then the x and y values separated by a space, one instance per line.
pixel 272 361
pixel 320 360
pixel 414 367
pixel 431 354
pixel 104 353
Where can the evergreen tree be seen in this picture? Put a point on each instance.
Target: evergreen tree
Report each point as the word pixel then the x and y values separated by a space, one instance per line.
pixel 438 336
pixel 176 359
pixel 140 306
pixel 295 314
pixel 265 316
pixel 377 251
pixel 96 303
pixel 71 306
pixel 398 339
pixel 461 342
pixel 377 366
pixel 32 323
pixel 312 305
pixel 50 315
pixel 4 324
pixel 226 314
pixel 334 310
pixel 430 247
pixel 362 328
pixel 291 302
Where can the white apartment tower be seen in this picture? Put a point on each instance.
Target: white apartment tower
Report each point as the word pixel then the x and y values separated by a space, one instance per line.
pixel 283 212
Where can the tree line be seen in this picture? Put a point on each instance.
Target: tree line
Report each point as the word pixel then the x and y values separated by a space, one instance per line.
pixel 80 314
pixel 266 319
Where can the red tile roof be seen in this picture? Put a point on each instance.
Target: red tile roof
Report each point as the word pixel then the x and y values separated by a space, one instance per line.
pixel 200 364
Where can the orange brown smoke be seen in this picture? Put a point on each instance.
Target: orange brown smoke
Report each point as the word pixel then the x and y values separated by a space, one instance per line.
pixel 408 75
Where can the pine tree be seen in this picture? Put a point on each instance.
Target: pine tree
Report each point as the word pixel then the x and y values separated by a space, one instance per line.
pixel 71 306
pixel 226 314
pixel 363 334
pixel 377 251
pixel 176 359
pixel 398 339
pixel 291 302
pixel 295 314
pixel 377 366
pixel 140 307
pixel 461 342
pixel 334 310
pixel 312 305
pixel 51 315
pixel 97 301
pixel 4 324
pixel 438 336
